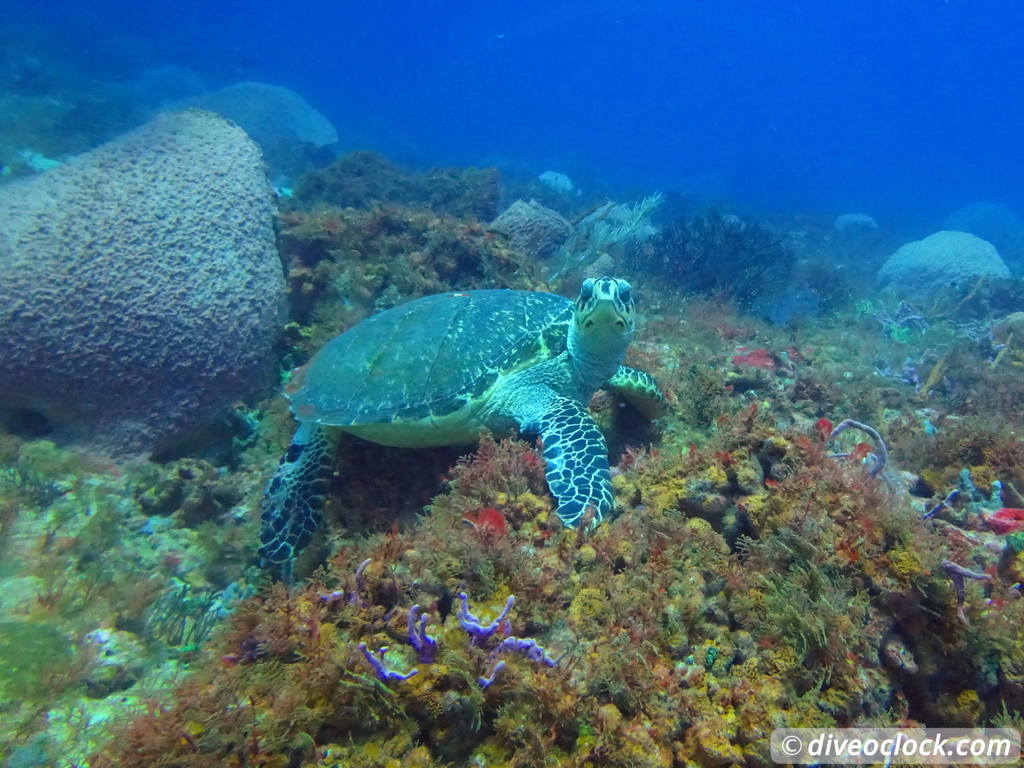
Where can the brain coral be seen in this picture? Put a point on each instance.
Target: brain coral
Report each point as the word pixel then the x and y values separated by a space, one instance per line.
pixel 533 229
pixel 140 286
pixel 268 113
pixel 945 258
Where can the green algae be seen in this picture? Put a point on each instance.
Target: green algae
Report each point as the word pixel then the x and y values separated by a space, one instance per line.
pixel 32 656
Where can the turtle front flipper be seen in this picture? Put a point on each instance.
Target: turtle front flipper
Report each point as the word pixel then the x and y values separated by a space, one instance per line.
pixel 294 498
pixel 640 390
pixel 577 460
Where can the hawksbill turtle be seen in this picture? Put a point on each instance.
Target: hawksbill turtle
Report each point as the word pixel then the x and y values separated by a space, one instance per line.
pixel 438 370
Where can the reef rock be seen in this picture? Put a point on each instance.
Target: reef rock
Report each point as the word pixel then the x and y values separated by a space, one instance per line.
pixel 939 261
pixel 270 114
pixel 533 229
pixel 854 221
pixel 140 286
pixel 116 663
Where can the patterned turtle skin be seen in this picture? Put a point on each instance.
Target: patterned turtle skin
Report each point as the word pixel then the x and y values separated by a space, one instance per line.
pixel 438 370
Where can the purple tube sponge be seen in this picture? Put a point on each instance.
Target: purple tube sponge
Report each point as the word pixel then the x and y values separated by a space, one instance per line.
pixel 946 503
pixel 881 453
pixel 488 681
pixel 527 645
pixel 376 660
pixel 424 644
pixel 476 629
pixel 958 573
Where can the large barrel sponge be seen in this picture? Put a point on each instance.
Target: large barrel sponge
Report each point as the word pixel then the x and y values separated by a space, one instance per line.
pixel 140 286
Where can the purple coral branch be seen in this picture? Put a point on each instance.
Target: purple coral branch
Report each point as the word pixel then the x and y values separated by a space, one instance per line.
pixel 488 681
pixel 944 504
pixel 533 650
pixel 477 630
pixel 881 454
pixel 958 573
pixel 424 645
pixel 376 660
pixel 355 597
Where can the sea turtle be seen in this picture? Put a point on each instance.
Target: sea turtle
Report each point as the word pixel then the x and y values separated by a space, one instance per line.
pixel 438 370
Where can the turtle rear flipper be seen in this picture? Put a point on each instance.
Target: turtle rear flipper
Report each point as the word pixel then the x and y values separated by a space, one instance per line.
pixel 577 460
pixel 294 498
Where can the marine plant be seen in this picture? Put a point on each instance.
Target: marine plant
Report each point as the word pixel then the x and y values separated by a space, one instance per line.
pixel 692 254
pixel 608 225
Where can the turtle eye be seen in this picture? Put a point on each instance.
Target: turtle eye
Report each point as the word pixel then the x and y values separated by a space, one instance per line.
pixel 587 290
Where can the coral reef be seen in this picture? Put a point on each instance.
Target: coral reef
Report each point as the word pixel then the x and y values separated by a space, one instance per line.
pixel 655 641
pixel 134 313
pixel 825 529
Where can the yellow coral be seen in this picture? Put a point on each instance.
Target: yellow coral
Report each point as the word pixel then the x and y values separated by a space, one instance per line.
pixel 586 554
pixel 589 605
pixel 747 473
pixel 531 502
pixel 698 526
pixel 783 659
pixel 1016 568
pixel 626 549
pixel 968 699
pixel 905 563
pixel 934 478
pixel 758 503
pixel 776 444
pixel 717 476
pixel 711 742
pixel 609 717
pixel 983 477
pixel 834 700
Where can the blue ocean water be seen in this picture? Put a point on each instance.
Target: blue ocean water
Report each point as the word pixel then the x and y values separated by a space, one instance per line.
pixel 911 108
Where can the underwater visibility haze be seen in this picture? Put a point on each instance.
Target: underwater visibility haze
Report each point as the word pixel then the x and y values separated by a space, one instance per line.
pixel 525 384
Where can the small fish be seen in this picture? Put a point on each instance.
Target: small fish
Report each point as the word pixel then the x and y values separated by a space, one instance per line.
pixel 248 62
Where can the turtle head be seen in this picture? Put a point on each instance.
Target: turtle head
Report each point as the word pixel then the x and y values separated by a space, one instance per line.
pixel 602 327
pixel 605 310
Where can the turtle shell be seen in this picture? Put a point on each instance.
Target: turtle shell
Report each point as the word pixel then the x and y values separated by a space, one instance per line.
pixel 429 357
